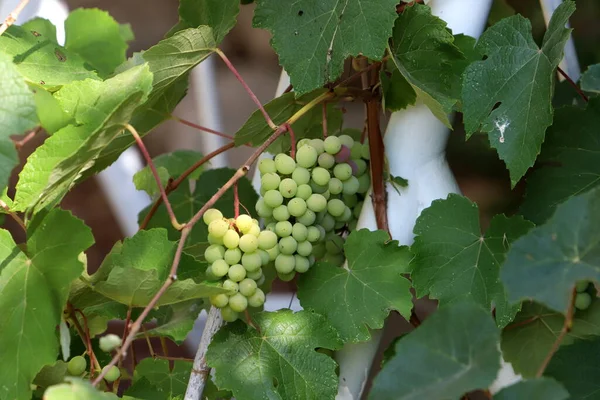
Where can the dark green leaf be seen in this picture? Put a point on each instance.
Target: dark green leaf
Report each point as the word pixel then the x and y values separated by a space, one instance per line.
pixel 49 111
pixel 509 94
pixel 590 80
pixel 541 388
pixel 454 351
pixel 42 28
pixel 397 92
pixel 280 361
pixel 220 15
pixel 175 321
pixel 314 38
pixel 360 297
pixel 168 382
pixel 453 259
pixel 51 374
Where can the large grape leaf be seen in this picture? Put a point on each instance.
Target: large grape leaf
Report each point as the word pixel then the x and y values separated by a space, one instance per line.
pixel 41 60
pixel 570 161
pixel 453 259
pixel 167 383
pixel 545 264
pixel 576 367
pixel 541 388
pixel 423 50
pixel 279 361
pixel 527 341
pixel 42 27
pixel 78 389
pixel 590 79
pixel 360 297
pixel 509 94
pixel 313 38
pixel 175 321
pixel 96 37
pixel 100 109
pixel 34 286
pixel 454 351
pixel 134 271
pixel 220 15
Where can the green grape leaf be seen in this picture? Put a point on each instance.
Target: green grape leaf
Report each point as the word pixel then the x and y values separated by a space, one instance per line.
pixel 314 38
pixel 100 109
pixel 49 111
pixel 33 291
pixel 576 367
pixel 220 15
pixel 256 130
pixel 77 389
pixel 424 53
pixel 212 392
pixel 545 264
pixel 571 161
pixel 453 259
pixel 590 80
pixel 541 388
pixel 134 271
pixel 96 37
pixel 169 383
pixel 500 10
pixel 175 321
pixel 529 339
pixel 186 203
pixel 126 33
pixel 41 60
pixel 280 361
pixel 41 27
pixel 169 166
pixel 397 92
pixel 51 374
pixel 509 94
pixel 444 357
pixel 360 297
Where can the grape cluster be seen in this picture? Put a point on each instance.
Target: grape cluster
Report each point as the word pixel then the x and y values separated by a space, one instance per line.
pixel 583 299
pixel 309 202
pixel 238 250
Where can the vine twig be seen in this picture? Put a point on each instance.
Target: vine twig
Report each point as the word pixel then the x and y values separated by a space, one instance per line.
pixel 14 216
pixel 324 120
pixel 12 17
pixel 573 84
pixel 20 143
pixel 203 128
pixel 377 161
pixel 84 333
pixel 236 201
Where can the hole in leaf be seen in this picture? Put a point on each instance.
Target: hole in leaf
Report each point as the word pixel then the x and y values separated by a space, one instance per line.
pixel 496 105
pixel 275 382
pixel 300 13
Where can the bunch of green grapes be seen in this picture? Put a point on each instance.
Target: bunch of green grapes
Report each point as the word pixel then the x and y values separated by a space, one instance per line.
pixel 310 202
pixel 238 250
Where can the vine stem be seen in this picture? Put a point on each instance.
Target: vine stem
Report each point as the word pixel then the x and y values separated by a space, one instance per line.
pixel 324 120
pixel 566 328
pixel 203 128
pixel 20 143
pixel 84 333
pixel 573 84
pixel 236 201
pixel 293 141
pixel 14 216
pixel 163 194
pixel 12 17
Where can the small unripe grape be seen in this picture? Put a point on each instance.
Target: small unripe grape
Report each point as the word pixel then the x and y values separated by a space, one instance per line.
pixel 111 374
pixel 231 287
pixel 255 275
pixel 285 164
pixel 219 268
pixel 339 225
pixel 262 209
pixel 357 209
pixel 270 181
pixel 319 251
pixel 351 186
pixel 232 256
pixel 346 141
pixel 313 234
pixel 365 152
pixel 321 176
pixel 332 144
pixel 296 207
pixel 254 230
pixel 231 239
pixel 244 223
pixel 304 249
pixel 273 253
pixel 238 302
pixel 356 150
pixel 281 213
pixel 350 200
pixel 335 207
pixel 299 232
pixel 327 195
pixel 212 214
pixel 212 239
pixel 251 261
pixel 361 166
pixel 288 188
pixel 236 272
pixel 283 229
pixel 247 287
pixel 306 156
pixel 328 223
pixel 264 256
pixel 318 145
pixel 248 243
pixel 301 176
pixel 285 263
pixel 302 264
pixel 270 225
pixel 318 188
pixel 218 228
pixel 76 366
pixel 266 165
pixel 308 218
pixel 335 186
pixel 214 252
pixel 316 202
pixel 334 244
pixel 302 142
pixel 326 161
pixel 352 225
pixel 346 216
pixel 109 342
pixel 583 301
pixel 257 299
pixel 287 245
pixel 228 314
pixel 364 181
pixel 322 231
pixel 343 155
pixel 582 286
pixel 266 240
pixel 286 277
pixel 273 198
pixel 304 191
pixel 342 171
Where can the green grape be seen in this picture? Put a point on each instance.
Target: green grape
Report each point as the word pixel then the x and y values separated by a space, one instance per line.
pixel 346 216
pixel 296 207
pixel 264 256
pixel 350 200
pixel 257 299
pixel 283 229
pixel 346 141
pixel 273 198
pixel 228 314
pixel 213 253
pixel 288 188
pixel 302 142
pixel 212 239
pixel 231 239
pixel 318 188
pixel 352 225
pixel 351 186
pixel 364 181
pixel 76 366
pixel 308 218
pixel 326 194
pixel 365 153
pixel 313 234
pixel 271 226
pixel 302 264
pixel 334 243
pixel 262 190
pixel 231 287
pixel 287 245
pixel 232 256
pixel 238 302
pixel 356 151
pixel 306 156
pixel 318 145
pixel 583 301
pixel 285 263
pixel 326 161
pixel 342 171
pixel 251 261
pixel 323 232
pixel 209 274
pixel 254 230
pixel 311 260
pixel 247 287
pixel 281 213
pixel 286 277
pixel 582 286
pixel 110 342
pixel 361 167
pixel 262 209
pixel 335 207
pixel 266 165
pixel 236 272
pixel 357 209
pixel 285 164
pixel 219 268
pixel 266 240
pixel 210 215
pixel 316 202
pixel 299 232
pixel 111 373
pixel 273 253
pixel 261 280
pixel 335 186
pixel 304 248
pixel 270 181
pixel 248 243
pixel 321 176
pixel 301 176
pixel 339 225
pixel 218 228
pixel 255 275
pixel 332 144
pixel 304 191
pixel 319 250
pixel 328 222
